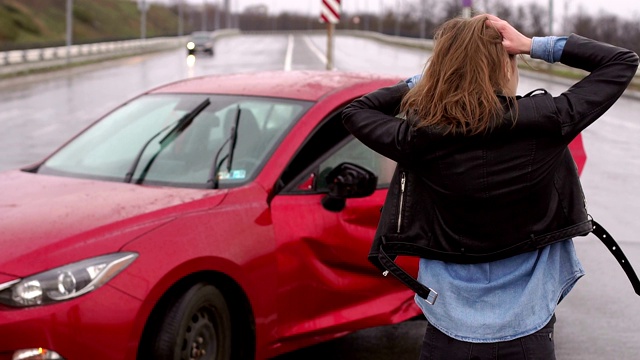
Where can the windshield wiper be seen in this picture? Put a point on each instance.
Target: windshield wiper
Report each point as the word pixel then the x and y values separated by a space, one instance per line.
pixel 176 129
pixel 231 140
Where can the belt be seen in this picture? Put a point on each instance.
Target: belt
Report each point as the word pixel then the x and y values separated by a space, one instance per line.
pixel 615 249
pixel 431 295
pixel 428 294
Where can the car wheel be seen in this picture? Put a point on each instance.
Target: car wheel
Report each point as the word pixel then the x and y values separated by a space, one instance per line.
pixel 197 326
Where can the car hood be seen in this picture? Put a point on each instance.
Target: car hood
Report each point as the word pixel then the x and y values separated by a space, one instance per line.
pixel 40 212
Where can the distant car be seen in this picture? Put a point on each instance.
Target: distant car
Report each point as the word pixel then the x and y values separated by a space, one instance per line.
pixel 200 41
pixel 221 217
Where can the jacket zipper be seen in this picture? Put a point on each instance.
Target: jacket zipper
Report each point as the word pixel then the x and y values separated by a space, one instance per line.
pixel 403 180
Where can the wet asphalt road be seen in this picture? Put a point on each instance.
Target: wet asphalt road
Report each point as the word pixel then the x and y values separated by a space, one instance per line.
pixel 598 320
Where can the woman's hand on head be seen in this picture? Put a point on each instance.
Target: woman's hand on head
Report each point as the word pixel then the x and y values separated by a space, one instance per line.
pixel 513 41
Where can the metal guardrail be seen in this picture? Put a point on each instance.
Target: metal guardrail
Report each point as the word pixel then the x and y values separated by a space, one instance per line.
pixel 20 61
pixel 23 61
pixel 427 44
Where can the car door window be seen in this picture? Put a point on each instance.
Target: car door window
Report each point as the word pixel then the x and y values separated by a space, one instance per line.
pixel 355 152
pixel 328 146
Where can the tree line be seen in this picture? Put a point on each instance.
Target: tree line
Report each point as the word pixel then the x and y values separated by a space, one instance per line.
pixel 531 18
pixel 37 23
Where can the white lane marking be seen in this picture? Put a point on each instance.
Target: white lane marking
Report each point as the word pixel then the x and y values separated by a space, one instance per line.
pixel 289 56
pixel 315 50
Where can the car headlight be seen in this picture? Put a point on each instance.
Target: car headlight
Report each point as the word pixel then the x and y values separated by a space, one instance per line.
pixel 65 282
pixel 191 45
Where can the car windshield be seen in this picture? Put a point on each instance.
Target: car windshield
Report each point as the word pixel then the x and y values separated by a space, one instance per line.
pixel 201 37
pixel 108 149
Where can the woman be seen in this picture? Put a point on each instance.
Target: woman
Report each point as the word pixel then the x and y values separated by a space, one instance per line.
pixel 485 190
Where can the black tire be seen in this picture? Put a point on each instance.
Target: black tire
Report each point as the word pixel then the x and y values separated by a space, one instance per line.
pixel 196 326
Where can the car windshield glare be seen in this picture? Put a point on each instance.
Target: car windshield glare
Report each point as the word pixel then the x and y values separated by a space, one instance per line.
pixel 107 150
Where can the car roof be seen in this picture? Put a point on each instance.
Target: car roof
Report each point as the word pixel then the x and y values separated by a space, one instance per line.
pixel 301 85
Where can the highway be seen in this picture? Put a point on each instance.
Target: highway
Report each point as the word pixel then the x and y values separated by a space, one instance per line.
pixel 600 317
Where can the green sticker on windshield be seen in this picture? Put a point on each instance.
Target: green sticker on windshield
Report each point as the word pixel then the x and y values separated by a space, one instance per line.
pixel 238 174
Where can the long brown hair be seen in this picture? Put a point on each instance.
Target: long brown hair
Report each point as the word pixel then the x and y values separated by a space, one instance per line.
pixel 459 87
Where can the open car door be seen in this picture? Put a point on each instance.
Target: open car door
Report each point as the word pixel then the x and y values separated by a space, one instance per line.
pixel 324 231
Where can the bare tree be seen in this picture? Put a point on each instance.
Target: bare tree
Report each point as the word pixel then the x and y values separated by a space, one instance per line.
pixel 609 29
pixel 584 25
pixel 630 35
pixel 452 8
pixel 538 20
pixel 503 11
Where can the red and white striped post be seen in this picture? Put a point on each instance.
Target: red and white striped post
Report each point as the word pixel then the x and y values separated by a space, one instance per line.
pixel 466 8
pixel 330 14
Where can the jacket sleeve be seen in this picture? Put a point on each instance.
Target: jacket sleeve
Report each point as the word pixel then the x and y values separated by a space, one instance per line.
pixel 611 70
pixel 371 119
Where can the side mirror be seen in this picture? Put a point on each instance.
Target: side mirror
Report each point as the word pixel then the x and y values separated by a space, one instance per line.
pixel 346 181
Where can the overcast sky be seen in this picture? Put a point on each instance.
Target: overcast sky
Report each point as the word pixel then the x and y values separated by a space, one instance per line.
pixel 628 9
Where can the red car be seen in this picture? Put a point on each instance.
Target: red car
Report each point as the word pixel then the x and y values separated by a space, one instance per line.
pixel 222 217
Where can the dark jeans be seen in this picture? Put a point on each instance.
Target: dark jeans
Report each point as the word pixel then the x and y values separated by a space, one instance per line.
pixel 537 346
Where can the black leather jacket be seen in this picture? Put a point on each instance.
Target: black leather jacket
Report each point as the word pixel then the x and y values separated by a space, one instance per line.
pixel 469 199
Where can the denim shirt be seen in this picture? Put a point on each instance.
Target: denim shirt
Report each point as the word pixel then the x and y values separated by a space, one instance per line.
pixel 505 299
